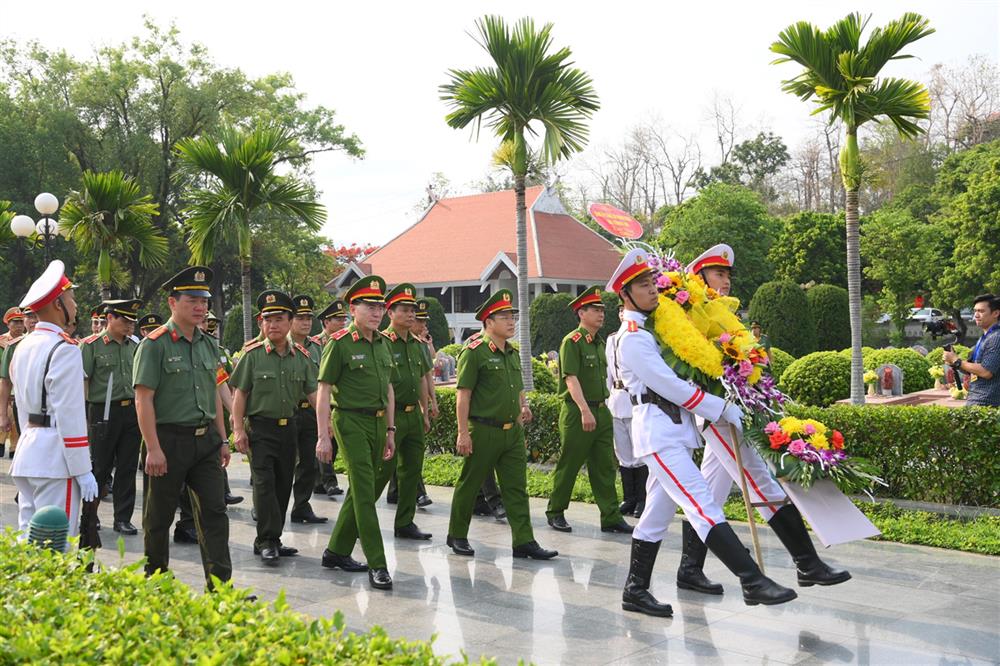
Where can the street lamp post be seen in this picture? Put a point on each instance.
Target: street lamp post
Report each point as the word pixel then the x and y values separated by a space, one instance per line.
pixel 23 226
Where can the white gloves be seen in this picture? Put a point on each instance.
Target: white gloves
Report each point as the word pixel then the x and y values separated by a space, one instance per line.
pixel 733 414
pixel 88 486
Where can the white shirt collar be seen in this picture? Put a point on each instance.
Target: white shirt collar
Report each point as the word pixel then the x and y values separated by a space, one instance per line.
pixel 634 315
pixel 48 326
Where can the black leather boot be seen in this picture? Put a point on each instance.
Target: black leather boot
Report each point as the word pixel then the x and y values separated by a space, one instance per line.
pixel 787 524
pixel 757 588
pixel 641 474
pixel 628 491
pixel 689 573
pixel 636 596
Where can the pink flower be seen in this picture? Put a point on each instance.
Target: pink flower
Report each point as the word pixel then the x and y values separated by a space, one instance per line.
pixel 810 429
pixel 724 338
pixel 772 428
pixel 797 447
pixel 682 297
pixel 746 368
pixel 662 281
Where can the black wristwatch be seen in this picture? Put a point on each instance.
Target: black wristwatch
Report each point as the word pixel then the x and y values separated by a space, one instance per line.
pixel 390 429
pixel 957 365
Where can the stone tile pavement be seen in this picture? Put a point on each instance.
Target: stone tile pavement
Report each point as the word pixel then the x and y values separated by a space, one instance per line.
pixel 905 605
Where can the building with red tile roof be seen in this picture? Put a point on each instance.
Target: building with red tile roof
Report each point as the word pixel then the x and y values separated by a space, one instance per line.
pixel 464 248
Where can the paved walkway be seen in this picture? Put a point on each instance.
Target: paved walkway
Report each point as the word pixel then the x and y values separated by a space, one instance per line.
pixel 906 604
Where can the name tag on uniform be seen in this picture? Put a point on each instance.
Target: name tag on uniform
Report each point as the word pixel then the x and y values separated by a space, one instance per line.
pixel 171 359
pixel 358 357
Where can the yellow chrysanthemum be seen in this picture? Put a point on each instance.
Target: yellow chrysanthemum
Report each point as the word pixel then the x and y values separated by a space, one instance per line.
pixel 792 425
pixel 820 428
pixel 677 331
pixel 819 441
pixel 755 375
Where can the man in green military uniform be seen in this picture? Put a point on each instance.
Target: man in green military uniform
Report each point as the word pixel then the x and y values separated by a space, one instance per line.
pixel 491 409
pixel 305 418
pixel 585 425
pixel 180 417
pixel 411 369
pixel 269 380
pixel 357 363
pixel 148 323
pixel 114 430
pixel 333 318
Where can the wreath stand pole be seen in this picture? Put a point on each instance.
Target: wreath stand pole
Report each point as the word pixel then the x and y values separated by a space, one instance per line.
pixel 746 496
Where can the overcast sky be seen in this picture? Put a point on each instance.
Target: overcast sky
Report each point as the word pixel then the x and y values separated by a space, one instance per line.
pixel 379 64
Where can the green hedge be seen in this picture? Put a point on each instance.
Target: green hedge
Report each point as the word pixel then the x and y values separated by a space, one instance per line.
pixel 54 612
pixel 784 316
pixel 820 378
pixel 780 360
pixel 451 350
pixel 914 366
pixel 926 453
pixel 831 317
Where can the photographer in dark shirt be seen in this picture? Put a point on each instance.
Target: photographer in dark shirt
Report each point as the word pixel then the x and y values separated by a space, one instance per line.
pixel 984 361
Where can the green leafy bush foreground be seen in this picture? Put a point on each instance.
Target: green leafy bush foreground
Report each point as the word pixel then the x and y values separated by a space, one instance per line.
pixel 52 611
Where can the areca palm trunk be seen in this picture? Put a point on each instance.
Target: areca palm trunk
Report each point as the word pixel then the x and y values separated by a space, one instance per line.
pixel 523 337
pixel 247 304
pixel 851 178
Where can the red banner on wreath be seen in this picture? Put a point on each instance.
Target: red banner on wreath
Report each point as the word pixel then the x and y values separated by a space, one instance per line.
pixel 615 221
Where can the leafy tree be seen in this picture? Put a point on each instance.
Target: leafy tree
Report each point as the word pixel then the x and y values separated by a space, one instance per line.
pixel 843 77
pixel 752 163
pixel 611 321
pixel 437 325
pixel 110 216
pixel 243 192
pixel 528 85
pixel 723 213
pixel 551 319
pixel 783 313
pixel 828 305
pixel 811 247
pixel 904 256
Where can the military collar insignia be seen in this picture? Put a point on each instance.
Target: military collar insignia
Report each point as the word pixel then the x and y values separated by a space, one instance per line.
pixel 590 338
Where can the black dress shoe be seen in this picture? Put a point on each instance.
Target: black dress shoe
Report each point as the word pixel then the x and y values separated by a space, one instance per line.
pixel 559 524
pixel 392 499
pixel 333 491
pixel 380 579
pixel 411 531
pixel 500 513
pixel 233 499
pixel 308 517
pixel 621 527
pixel 269 555
pixel 534 551
pixel 423 501
pixel 283 551
pixel 182 535
pixel 125 527
pixel 253 514
pixel 460 546
pixel 97 523
pixel 332 560
pixel 319 490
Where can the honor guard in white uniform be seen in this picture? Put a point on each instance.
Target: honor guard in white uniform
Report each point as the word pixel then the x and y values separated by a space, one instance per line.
pixel 634 474
pixel 720 470
pixel 52 466
pixel 663 431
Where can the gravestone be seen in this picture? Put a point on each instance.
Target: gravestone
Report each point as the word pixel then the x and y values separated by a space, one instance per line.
pixel 890 379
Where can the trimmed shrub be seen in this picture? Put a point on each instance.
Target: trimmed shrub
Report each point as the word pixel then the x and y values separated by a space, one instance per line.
pixel 783 313
pixel 545 381
pixel 819 379
pixel 935 356
pixel 913 365
pixel 926 453
pixel 780 360
pixel 611 321
pixel 437 325
pixel 828 305
pixel 451 350
pixel 55 611
pixel 551 319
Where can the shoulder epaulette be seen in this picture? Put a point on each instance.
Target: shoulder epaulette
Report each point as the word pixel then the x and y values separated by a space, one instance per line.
pixel 389 334
pixel 633 326
pixel 576 337
pixel 339 334
pixel 157 332
pixel 315 340
pixel 69 338
pixel 252 345
pixel 475 343
pixel 303 350
pixel 90 338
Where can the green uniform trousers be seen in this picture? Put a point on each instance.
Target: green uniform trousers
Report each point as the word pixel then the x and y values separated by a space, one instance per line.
pixel 362 443
pixel 409 464
pixel 503 450
pixel 272 461
pixel 595 448
pixel 192 461
pixel 305 464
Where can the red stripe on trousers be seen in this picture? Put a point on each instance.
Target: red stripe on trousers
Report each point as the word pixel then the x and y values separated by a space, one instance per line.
pixel 69 497
pixel 684 490
pixel 745 472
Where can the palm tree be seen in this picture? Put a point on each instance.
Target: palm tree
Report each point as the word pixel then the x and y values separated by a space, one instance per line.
pixel 842 76
pixel 526 86
pixel 110 216
pixel 241 192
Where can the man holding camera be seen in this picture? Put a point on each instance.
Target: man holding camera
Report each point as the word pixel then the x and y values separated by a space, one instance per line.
pixel 984 361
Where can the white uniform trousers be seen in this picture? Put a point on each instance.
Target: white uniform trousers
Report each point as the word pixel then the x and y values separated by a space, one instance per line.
pixel 34 493
pixel 719 468
pixel 674 480
pixel 623 443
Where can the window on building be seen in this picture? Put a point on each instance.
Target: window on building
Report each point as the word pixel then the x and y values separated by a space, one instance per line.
pixel 444 299
pixel 468 299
